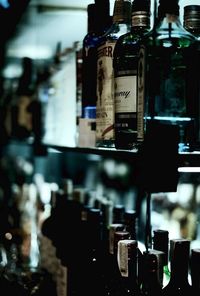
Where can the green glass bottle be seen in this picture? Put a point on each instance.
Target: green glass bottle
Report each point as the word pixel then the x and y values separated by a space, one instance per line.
pixel 166 78
pixel 105 82
pixel 125 64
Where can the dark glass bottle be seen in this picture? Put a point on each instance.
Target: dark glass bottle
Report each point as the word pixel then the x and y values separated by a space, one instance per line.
pixel 105 83
pixel 161 243
pixel 166 81
pixel 113 278
pixel 118 213
pixel 125 64
pixel 98 22
pixel 178 284
pixel 130 223
pixel 150 284
pixel 195 270
pixel 128 264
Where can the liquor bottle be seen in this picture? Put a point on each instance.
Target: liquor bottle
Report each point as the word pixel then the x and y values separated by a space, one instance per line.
pixel 161 243
pixel 105 82
pixel 21 117
pixel 178 284
pixel 118 214
pixel 195 270
pixel 191 22
pixel 128 264
pixel 125 64
pixel 166 83
pixel 150 285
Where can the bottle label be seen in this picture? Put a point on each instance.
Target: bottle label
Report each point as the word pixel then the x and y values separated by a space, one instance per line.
pixel 125 94
pixel 105 92
pixel 141 94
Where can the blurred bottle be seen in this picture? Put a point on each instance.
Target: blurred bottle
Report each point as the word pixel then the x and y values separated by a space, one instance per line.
pixel 128 266
pixel 178 284
pixel 195 270
pixel 161 243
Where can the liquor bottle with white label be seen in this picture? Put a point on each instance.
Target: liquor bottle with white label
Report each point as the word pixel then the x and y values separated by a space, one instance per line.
pixel 125 64
pixel 105 78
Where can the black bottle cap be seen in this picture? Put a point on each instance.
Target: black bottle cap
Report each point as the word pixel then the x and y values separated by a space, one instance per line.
pixel 169 6
pixel 161 242
pixel 141 5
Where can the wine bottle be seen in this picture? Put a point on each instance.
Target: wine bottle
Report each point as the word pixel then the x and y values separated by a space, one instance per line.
pixel 150 284
pixel 125 64
pixel 161 243
pixel 105 85
pixel 195 270
pixel 178 284
pixel 166 82
pixel 128 265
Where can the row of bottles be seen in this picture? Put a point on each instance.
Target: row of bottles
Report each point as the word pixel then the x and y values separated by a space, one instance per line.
pixel 135 76
pixel 102 253
pixel 147 77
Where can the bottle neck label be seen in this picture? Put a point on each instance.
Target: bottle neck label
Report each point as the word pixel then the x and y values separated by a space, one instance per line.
pixel 140 19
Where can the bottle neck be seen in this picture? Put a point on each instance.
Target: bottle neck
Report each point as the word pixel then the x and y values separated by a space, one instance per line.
pixel 140 19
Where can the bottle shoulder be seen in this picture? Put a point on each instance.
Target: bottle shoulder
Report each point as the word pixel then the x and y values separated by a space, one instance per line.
pixel 115 31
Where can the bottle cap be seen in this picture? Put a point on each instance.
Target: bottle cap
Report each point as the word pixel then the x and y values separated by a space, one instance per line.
pixel 191 17
pixel 169 6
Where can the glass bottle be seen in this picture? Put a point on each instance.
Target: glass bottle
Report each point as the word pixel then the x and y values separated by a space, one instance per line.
pixel 150 284
pixel 112 283
pixel 178 284
pixel 128 264
pixel 191 22
pixel 89 51
pixel 105 82
pixel 166 80
pixel 130 223
pixel 195 270
pixel 125 57
pixel 161 243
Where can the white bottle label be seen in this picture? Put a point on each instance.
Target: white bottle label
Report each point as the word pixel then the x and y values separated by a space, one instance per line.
pixel 105 92
pixel 125 94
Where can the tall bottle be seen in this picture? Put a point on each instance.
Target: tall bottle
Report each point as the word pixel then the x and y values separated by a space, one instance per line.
pixel 178 284
pixel 105 81
pixel 166 81
pixel 125 64
pixel 191 22
pixel 161 243
pixel 96 28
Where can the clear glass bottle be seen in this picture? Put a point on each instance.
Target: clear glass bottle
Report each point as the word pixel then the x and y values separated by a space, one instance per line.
pixel 191 22
pixel 105 81
pixel 125 59
pixel 166 80
pixel 178 284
